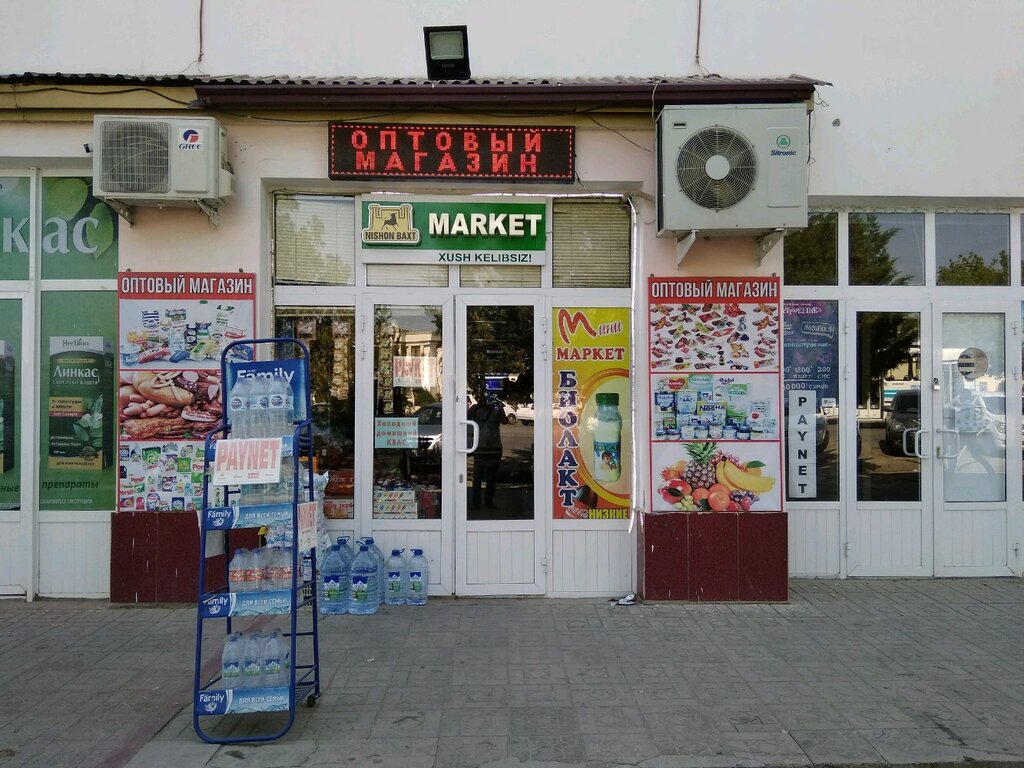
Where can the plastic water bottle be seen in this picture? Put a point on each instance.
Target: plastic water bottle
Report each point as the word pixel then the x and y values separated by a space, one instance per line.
pixel 379 557
pixel 236 572
pixel 418 580
pixel 334 575
pixel 279 424
pixel 346 549
pixel 252 663
pixel 231 661
pixel 284 569
pixel 364 597
pixel 259 408
pixel 238 407
pixel 397 579
pixel 272 661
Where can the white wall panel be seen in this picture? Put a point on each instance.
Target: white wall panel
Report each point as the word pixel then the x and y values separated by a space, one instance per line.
pixel 74 557
pixel 815 545
pixel 970 539
pixel 592 562
pixel 887 542
pixel 12 576
pixel 500 557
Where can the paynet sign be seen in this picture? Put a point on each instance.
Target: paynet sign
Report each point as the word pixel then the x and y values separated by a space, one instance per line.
pixel 454 231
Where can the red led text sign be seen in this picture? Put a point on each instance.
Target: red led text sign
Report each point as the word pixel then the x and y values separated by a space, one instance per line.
pixel 484 153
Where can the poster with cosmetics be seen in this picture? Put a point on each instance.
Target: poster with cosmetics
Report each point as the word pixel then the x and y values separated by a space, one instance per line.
pixel 715 384
pixel 172 330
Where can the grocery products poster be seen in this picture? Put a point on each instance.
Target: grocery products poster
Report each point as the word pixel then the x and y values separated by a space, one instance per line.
pixel 592 413
pixel 715 387
pixel 172 329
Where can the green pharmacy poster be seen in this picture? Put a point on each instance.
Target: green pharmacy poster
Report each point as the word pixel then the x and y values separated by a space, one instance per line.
pixel 10 404
pixel 79 235
pixel 14 227
pixel 77 395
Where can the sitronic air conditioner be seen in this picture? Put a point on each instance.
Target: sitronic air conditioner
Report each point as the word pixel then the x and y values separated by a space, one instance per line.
pixel 735 170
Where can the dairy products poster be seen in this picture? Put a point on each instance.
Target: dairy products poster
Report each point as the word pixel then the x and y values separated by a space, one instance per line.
pixel 716 420
pixel 592 407
pixel 172 330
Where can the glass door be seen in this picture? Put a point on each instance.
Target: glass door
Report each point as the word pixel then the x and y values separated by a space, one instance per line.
pixel 935 411
pixel 890 522
pixel 17 497
pixel 412 408
pixel 977 414
pixel 498 541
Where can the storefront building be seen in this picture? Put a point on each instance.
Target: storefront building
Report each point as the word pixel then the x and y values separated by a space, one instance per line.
pixel 535 352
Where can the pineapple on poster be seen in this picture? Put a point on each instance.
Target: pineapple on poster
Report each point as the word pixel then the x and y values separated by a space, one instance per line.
pixel 708 476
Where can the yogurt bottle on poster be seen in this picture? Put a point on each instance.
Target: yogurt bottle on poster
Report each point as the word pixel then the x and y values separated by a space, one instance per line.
pixel 607 432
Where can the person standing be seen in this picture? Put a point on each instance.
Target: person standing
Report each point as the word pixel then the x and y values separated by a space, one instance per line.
pixel 487 413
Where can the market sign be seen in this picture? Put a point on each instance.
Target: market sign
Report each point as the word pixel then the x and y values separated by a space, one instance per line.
pixel 454 231
pixel 469 153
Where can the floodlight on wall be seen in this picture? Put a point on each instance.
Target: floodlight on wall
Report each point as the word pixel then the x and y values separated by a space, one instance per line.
pixel 447 53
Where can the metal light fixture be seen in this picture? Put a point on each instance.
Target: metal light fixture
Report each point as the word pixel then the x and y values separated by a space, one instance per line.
pixel 447 53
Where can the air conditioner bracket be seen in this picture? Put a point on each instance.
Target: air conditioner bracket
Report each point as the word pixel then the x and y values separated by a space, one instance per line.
pixel 683 246
pixel 212 213
pixel 126 212
pixel 766 243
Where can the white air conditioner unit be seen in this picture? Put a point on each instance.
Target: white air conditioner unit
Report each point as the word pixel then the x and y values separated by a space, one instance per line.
pixel 161 161
pixel 735 170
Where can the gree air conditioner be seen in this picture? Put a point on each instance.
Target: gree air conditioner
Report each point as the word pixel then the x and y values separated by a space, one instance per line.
pixel 161 161
pixel 736 170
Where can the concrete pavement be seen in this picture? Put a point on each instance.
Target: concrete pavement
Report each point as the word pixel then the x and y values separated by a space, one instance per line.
pixel 880 672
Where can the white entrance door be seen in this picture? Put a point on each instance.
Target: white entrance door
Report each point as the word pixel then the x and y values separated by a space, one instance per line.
pixel 498 509
pixel 930 466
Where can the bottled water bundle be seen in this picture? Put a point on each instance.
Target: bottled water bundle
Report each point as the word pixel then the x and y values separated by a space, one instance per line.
pixel 260 569
pixel 254 660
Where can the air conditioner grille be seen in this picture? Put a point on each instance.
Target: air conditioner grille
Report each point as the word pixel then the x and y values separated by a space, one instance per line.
pixel 716 167
pixel 135 157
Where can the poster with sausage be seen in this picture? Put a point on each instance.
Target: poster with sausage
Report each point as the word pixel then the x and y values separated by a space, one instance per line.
pixel 172 330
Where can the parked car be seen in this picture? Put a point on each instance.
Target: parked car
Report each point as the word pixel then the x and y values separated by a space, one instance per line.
pixel 903 418
pixel 820 430
pixel 428 424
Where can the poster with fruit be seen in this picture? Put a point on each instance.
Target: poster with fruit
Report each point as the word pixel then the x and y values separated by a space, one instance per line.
pixel 172 329
pixel 715 394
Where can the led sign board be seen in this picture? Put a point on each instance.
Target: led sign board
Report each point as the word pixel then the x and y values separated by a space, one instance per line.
pixel 467 153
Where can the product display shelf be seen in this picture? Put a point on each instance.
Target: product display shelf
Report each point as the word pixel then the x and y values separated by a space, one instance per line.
pixel 210 697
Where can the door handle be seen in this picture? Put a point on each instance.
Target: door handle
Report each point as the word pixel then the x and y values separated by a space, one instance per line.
pixel 917 444
pixel 475 428
pixel 939 453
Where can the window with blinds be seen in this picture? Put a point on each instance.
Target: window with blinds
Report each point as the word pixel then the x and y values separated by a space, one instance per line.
pixel 590 244
pixel 314 240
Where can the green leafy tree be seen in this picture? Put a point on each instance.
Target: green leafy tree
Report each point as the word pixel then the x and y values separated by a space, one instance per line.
pixel 972 269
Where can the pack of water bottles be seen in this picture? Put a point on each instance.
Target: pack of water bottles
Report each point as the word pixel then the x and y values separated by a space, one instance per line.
pixel 255 660
pixel 260 569
pixel 264 406
pixel 360 582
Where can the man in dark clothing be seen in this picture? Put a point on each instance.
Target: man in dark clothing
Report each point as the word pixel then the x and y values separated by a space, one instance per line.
pixel 487 413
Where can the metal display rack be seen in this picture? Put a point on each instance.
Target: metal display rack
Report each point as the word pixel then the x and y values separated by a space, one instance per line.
pixel 210 698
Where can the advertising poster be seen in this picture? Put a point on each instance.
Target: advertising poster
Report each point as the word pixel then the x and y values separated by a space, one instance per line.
pixel 172 328
pixel 812 348
pixel 592 413
pixel 716 405
pixel 77 400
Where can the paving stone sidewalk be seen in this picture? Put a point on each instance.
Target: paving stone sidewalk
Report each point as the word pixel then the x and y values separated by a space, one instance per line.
pixel 857 673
